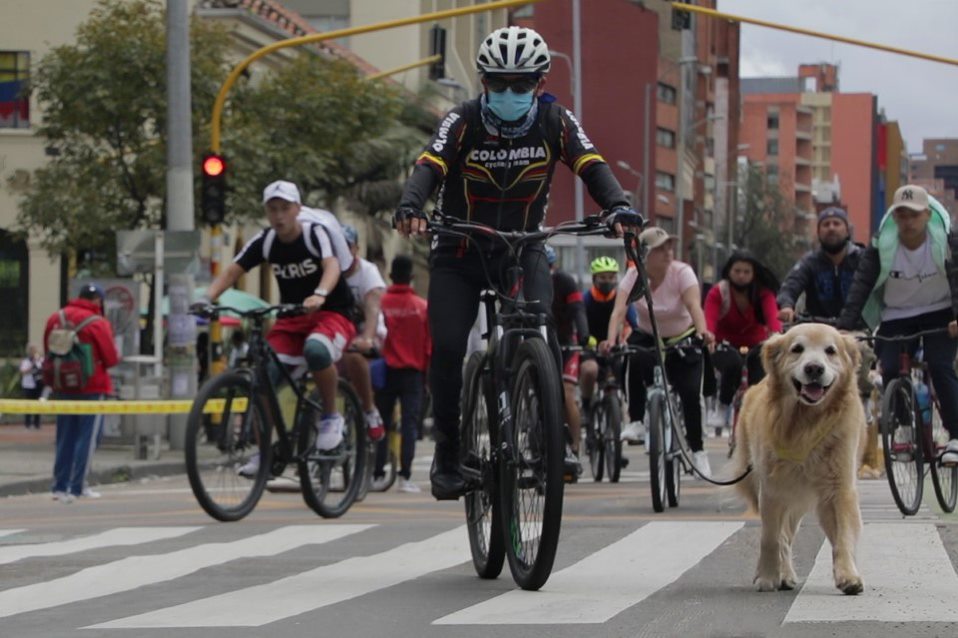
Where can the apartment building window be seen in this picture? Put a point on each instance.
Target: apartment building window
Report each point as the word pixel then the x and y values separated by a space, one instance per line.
pixel 666 93
pixel 771 147
pixel 772 121
pixel 771 173
pixel 665 137
pixel 14 94
pixel 664 181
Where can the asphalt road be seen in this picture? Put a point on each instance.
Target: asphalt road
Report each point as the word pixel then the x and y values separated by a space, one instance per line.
pixel 144 560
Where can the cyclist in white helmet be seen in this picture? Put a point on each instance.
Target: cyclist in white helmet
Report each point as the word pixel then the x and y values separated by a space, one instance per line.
pixel 492 159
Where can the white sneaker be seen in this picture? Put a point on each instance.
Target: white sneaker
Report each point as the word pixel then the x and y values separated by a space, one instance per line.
pixel 88 493
pixel 379 484
pixel 67 498
pixel 405 485
pixel 251 467
pixel 634 432
pixel 329 432
pixel 58 495
pixel 950 456
pixel 716 417
pixel 700 460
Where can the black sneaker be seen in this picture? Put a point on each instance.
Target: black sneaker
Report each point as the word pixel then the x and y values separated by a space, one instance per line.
pixel 448 483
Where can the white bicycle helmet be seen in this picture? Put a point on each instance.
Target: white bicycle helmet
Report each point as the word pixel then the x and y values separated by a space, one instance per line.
pixel 513 50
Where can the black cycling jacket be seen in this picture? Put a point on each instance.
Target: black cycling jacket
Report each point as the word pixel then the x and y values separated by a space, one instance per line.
pixel 826 286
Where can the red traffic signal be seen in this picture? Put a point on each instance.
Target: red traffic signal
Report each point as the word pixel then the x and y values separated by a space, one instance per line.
pixel 213 166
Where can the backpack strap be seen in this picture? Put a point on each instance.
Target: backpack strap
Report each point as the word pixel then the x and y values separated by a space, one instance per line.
pixel 86 322
pixel 64 323
pixel 725 297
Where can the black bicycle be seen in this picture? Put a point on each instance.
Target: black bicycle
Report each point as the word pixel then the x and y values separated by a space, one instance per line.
pixel 603 428
pixel 230 453
pixel 512 428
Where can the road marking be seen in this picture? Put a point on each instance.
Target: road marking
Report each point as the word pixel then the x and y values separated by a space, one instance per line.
pixel 908 577
pixel 119 536
pixel 10 532
pixel 136 571
pixel 311 590
pixel 607 582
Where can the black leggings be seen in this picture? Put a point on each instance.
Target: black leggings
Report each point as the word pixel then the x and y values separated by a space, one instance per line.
pixel 729 364
pixel 684 374
pixel 454 287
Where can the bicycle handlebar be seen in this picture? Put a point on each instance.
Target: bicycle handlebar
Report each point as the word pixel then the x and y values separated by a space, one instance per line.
pixel 915 335
pixel 212 311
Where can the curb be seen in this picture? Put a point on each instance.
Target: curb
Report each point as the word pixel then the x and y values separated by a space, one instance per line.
pixel 116 474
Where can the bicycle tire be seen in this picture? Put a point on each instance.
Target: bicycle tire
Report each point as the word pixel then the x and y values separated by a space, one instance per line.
pixel 597 444
pixel 533 476
pixel 657 460
pixel 391 467
pixel 944 478
pixel 613 440
pixel 218 444
pixel 340 471
pixel 673 466
pixel 483 513
pixel 900 444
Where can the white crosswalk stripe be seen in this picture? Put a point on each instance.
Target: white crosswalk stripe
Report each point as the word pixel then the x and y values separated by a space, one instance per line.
pixel 137 571
pixel 908 577
pixel 312 589
pixel 113 537
pixel 607 582
pixel 9 532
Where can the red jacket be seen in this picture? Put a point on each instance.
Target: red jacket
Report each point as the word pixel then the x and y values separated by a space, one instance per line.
pixel 408 344
pixel 738 328
pixel 97 333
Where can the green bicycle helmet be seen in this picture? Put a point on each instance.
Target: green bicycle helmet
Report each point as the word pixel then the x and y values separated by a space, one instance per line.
pixel 604 264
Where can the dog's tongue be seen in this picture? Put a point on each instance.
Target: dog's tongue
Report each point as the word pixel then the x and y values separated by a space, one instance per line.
pixel 813 391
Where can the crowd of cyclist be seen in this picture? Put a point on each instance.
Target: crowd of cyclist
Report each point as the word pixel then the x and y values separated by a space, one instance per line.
pixel 491 160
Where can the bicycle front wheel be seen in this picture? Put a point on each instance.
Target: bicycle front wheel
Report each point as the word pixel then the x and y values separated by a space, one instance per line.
pixel 596 442
pixel 531 473
pixel 613 433
pixel 331 479
pixel 943 477
pixel 657 461
pixel 901 445
pixel 483 514
pixel 673 466
pixel 227 447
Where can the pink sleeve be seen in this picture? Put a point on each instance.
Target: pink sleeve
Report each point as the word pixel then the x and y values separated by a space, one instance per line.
pixel 770 310
pixel 625 286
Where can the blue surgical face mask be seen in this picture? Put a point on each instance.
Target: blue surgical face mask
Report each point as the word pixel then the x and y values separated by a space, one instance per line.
pixel 509 106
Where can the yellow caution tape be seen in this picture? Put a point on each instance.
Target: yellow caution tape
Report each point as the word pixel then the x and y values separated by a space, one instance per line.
pixel 25 406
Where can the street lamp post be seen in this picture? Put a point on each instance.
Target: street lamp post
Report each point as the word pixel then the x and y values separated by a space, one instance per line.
pixel 638 187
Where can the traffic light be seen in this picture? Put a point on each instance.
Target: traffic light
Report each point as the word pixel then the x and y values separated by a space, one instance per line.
pixel 213 188
pixel 437 46
pixel 681 19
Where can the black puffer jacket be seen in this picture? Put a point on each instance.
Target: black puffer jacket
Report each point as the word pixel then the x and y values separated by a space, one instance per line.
pixel 826 286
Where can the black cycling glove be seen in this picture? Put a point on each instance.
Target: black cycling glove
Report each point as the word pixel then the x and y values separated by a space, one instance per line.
pixel 407 212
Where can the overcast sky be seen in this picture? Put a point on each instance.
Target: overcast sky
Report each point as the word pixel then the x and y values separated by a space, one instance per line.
pixel 921 95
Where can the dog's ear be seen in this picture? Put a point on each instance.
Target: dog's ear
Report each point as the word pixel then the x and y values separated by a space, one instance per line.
pixel 853 351
pixel 773 351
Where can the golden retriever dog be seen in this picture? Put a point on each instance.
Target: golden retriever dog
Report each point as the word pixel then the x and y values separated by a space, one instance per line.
pixel 800 430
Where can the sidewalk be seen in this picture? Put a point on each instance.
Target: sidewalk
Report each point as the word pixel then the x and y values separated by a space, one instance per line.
pixel 26 461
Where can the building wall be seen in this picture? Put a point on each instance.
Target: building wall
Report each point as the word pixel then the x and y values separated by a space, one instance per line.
pixel 853 157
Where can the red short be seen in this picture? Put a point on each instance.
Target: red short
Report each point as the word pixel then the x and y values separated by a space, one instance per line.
pixel 288 335
pixel 570 367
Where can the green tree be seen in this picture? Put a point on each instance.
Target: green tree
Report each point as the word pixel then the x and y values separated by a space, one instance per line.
pixel 103 100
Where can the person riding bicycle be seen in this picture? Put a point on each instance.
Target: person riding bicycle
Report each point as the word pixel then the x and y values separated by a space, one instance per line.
pixel 493 158
pixel 741 311
pixel 599 301
pixel 676 302
pixel 906 282
pixel 572 328
pixel 308 273
pixel 367 287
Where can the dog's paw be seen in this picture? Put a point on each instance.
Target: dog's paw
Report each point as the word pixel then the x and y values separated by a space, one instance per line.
pixel 766 584
pixel 787 584
pixel 851 586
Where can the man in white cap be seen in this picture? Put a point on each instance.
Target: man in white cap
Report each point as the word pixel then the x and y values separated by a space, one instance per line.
pixel 907 281
pixel 308 271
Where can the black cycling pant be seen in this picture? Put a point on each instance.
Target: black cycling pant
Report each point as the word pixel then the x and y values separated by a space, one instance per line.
pixel 454 286
pixel 729 364
pixel 684 373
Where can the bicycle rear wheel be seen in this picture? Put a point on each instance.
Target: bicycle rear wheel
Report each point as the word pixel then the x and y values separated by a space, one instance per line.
pixel 902 448
pixel 613 432
pixel 943 477
pixel 596 441
pixel 332 479
pixel 227 432
pixel 658 470
pixel 532 482
pixel 483 514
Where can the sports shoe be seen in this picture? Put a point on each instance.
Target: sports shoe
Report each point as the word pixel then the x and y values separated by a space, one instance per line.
pixel 329 432
pixel 950 456
pixel 634 432
pixel 66 498
pixel 379 483
pixel 88 493
pixel 700 460
pixel 58 495
pixel 375 430
pixel 445 475
pixel 716 417
pixel 406 485
pixel 251 467
pixel 572 468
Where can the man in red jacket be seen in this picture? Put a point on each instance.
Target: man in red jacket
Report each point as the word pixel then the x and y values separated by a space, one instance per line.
pixel 77 432
pixel 406 350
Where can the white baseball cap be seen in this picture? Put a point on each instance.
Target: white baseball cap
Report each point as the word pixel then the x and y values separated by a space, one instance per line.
pixel 910 196
pixel 282 190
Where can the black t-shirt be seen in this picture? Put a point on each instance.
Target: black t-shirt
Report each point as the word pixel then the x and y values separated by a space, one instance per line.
pixel 298 265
